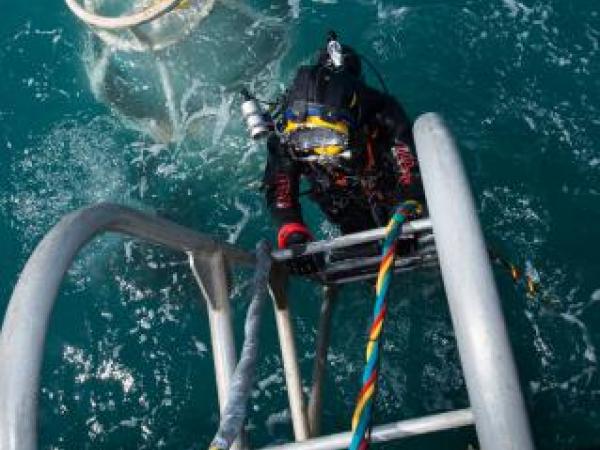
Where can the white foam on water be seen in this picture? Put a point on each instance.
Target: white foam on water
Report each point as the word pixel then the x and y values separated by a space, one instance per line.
pixel 223 116
pixel 569 368
pixel 294 8
pixel 590 350
pixel 72 166
pixel 519 218
pixel 112 370
pixel 41 78
pixel 532 31
pixel 543 349
pixel 105 370
pixel 272 380
pixel 391 12
pixel 573 385
pixel 516 7
pixel 279 418
pixel 237 229
pixel 200 346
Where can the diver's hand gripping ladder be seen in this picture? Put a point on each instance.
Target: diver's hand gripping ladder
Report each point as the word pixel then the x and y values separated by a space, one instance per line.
pixel 498 409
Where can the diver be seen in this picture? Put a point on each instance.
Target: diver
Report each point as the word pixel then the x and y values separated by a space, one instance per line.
pixel 352 143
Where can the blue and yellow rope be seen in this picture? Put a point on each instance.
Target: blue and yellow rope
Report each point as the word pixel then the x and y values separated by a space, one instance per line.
pixel 361 420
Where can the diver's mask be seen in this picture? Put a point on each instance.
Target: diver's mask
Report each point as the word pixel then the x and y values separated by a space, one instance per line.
pixel 316 138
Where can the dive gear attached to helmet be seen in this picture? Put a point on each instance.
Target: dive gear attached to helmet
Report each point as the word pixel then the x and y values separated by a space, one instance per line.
pixel 334 50
pixel 345 57
pixel 258 122
pixel 377 73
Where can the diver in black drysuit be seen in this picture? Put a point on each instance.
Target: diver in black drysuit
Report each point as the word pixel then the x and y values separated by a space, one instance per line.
pixel 356 190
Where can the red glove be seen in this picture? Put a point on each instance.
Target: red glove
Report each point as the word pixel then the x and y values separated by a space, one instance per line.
pixel 293 233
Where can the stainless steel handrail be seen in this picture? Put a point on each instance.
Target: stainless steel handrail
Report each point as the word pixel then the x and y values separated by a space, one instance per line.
pixel 26 321
pixel 484 348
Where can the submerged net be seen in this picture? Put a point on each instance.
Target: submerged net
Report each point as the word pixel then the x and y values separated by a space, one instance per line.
pixel 171 78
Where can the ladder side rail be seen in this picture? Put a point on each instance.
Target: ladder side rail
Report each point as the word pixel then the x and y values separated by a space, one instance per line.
pixel 289 354
pixel 315 403
pixel 488 364
pixel 27 316
pixel 212 275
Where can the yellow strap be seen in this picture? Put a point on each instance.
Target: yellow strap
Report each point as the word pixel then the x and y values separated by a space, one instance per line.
pixel 329 150
pixel 316 122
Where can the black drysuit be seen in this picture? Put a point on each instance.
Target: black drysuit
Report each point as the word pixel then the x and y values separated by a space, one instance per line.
pixel 357 193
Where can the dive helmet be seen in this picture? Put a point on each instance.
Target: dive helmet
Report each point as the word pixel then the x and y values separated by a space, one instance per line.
pixel 321 132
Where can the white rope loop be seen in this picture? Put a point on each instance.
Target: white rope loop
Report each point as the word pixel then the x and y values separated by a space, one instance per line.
pixel 117 23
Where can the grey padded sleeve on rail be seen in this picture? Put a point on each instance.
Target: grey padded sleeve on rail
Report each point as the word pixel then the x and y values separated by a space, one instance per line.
pixel 234 415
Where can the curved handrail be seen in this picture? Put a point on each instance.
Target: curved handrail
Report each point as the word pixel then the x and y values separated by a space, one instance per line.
pixel 483 344
pixel 116 23
pixel 26 320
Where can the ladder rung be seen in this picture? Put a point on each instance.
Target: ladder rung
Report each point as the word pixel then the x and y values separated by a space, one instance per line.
pixel 388 432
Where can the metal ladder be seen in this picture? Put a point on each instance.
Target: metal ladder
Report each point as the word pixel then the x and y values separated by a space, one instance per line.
pixel 497 406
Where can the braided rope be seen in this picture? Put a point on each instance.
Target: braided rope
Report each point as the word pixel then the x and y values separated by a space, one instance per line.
pixel 361 420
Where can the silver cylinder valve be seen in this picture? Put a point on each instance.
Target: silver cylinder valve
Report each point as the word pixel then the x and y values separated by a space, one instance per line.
pixel 257 121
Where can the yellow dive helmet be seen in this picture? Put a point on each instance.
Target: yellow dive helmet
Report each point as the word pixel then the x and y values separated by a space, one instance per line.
pixel 316 133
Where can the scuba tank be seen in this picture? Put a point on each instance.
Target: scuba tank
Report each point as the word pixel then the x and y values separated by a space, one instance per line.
pixel 258 123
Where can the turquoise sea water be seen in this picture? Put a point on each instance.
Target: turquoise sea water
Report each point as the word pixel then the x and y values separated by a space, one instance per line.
pixel 128 361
